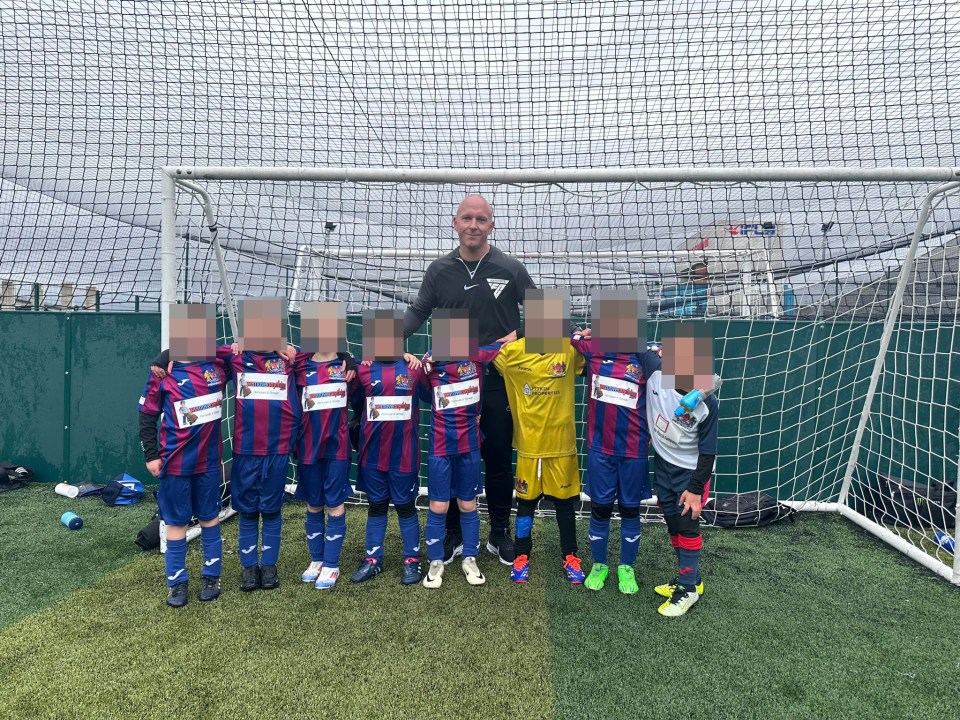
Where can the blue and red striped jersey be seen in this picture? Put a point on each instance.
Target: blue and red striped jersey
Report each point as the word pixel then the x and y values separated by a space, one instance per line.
pixel 190 399
pixel 390 419
pixel 267 413
pixel 324 394
pixel 616 404
pixel 454 390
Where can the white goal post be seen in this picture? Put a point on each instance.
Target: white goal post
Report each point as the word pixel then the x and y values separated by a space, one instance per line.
pixel 844 329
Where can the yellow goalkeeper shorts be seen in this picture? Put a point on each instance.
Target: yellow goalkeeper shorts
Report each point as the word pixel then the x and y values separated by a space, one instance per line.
pixel 556 476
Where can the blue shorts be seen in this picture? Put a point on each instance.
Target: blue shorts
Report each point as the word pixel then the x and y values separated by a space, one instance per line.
pixel 454 475
pixel 380 485
pixel 183 497
pixel 610 478
pixel 670 482
pixel 324 483
pixel 257 482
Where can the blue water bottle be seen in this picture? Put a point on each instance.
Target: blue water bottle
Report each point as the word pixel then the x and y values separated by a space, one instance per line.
pixel 71 520
pixel 945 541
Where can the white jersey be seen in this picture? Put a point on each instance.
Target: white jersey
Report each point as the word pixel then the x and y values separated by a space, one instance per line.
pixel 679 440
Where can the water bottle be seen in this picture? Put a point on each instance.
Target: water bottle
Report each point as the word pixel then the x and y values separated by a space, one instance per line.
pixel 945 541
pixel 71 520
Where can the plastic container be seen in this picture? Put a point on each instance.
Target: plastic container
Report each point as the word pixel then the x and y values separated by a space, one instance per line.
pixel 72 520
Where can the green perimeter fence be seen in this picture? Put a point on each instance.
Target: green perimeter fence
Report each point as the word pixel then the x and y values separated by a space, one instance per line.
pixel 71 381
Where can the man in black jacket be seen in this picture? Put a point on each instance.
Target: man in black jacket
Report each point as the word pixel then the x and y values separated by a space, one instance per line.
pixel 491 286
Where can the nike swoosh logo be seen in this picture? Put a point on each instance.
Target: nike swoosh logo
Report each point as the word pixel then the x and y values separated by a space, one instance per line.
pixel 177 574
pixel 432 542
pixel 248 550
pixel 470 287
pixel 594 537
pixel 311 373
pixel 311 536
pixel 371 551
pixel 208 563
pixel 183 381
pixel 331 538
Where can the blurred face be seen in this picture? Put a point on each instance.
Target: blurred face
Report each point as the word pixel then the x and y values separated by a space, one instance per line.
pixel 619 320
pixel 193 332
pixel 455 336
pixel 323 327
pixel 546 319
pixel 473 223
pixel 263 324
pixel 688 358
pixel 382 335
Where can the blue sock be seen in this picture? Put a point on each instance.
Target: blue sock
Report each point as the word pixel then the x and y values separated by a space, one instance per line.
pixel 376 532
pixel 249 533
pixel 629 540
pixel 688 559
pixel 470 528
pixel 271 539
pixel 175 561
pixel 410 535
pixel 599 539
pixel 336 531
pixel 212 543
pixel 434 533
pixel 315 530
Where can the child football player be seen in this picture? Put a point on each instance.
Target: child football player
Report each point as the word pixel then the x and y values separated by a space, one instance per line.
pixel 617 439
pixel 453 381
pixel 188 402
pixel 388 459
pixel 325 381
pixel 539 371
pixel 683 421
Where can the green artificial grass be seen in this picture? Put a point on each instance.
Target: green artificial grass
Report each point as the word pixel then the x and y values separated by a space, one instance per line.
pixel 373 650
pixel 42 561
pixel 812 619
pixel 805 620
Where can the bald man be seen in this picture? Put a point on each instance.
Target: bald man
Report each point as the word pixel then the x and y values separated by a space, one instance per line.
pixel 491 286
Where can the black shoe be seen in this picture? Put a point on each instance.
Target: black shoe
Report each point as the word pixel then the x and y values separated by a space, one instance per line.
pixel 177 597
pixel 269 579
pixel 250 578
pixel 501 545
pixel 210 590
pixel 452 546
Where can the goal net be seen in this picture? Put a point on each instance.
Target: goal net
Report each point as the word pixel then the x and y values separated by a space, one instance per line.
pixel 832 301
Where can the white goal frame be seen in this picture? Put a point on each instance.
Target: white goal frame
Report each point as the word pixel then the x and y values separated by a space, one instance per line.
pixel 174 178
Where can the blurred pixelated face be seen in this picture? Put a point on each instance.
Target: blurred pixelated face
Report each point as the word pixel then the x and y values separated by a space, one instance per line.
pixel 546 319
pixel 382 335
pixel 455 336
pixel 193 332
pixel 688 358
pixel 619 320
pixel 473 222
pixel 323 327
pixel 263 324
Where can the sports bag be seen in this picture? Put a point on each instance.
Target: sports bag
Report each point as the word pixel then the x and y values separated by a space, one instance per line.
pixel 751 509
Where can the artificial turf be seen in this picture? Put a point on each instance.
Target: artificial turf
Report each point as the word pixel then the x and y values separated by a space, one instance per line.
pixel 809 619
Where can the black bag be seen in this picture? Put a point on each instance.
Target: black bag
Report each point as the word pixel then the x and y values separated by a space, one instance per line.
pixel 149 537
pixel 745 510
pixel 13 476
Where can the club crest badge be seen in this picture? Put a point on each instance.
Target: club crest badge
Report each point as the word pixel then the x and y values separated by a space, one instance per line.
pixel 402 382
pixel 558 370
pixel 632 371
pixel 335 372
pixel 277 367
pixel 212 376
pixel 466 370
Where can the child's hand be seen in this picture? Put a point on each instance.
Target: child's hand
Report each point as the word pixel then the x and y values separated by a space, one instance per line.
pixel 290 353
pixel 160 372
pixel 153 467
pixel 411 361
pixel 368 363
pixel 691 502
pixel 586 334
pixel 508 338
pixel 348 375
pixel 235 348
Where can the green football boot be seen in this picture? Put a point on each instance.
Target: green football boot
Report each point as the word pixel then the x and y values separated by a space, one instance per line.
pixel 597 576
pixel 627 580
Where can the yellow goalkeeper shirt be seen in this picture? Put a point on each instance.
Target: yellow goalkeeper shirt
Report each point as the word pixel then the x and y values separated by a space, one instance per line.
pixel 541 393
